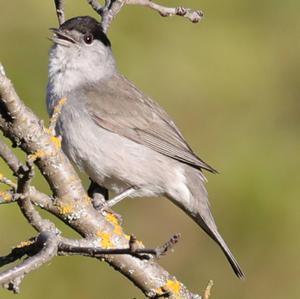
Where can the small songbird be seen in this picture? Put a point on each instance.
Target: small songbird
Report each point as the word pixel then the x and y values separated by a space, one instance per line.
pixel 122 139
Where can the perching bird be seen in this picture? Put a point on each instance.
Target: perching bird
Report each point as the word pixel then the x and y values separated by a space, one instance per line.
pixel 122 139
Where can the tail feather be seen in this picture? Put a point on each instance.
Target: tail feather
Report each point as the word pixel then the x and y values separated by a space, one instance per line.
pixel 215 235
pixel 197 207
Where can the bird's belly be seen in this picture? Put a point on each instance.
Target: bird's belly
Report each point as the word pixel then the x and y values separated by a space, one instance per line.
pixel 115 162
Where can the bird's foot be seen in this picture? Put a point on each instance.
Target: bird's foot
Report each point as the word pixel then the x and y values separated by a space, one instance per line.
pixel 101 201
pixel 99 196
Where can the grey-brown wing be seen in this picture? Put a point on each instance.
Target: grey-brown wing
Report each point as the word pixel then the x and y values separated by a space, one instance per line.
pixel 116 105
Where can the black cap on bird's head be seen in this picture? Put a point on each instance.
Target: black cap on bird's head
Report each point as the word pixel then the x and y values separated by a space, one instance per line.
pixel 90 28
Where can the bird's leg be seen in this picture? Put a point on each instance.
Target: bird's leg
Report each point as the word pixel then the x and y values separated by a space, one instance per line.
pixel 100 199
pixel 98 194
pixel 111 202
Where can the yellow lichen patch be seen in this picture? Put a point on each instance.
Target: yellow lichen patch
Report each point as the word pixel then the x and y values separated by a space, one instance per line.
pixel 118 230
pixel 1 176
pixel 36 155
pixel 110 217
pixel 5 196
pixel 105 240
pixel 56 141
pixel 127 237
pixel 173 286
pixel 65 209
pixel 24 244
pixel 159 291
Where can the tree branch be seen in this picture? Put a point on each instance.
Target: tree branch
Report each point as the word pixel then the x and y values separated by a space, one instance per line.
pixel 12 278
pixel 113 7
pixel 109 14
pixel 47 245
pixel 55 115
pixel 59 5
pixel 6 197
pixel 9 157
pixel 193 15
pixel 71 203
pixel 24 248
pixel 96 6
pixel 89 249
pixel 103 237
pixel 207 291
pixel 4 180
pixel 25 204
pixel 38 198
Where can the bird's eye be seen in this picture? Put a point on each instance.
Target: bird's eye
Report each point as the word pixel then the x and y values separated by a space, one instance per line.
pixel 88 38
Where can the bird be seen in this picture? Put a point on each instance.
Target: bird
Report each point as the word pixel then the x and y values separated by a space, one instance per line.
pixel 121 138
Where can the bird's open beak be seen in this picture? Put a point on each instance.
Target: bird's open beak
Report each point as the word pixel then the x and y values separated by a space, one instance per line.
pixel 61 37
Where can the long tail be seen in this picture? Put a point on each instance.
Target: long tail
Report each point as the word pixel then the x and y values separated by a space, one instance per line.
pixel 215 235
pixel 197 207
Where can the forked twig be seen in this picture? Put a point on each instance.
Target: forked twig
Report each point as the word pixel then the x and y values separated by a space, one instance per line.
pixel 113 7
pixel 47 245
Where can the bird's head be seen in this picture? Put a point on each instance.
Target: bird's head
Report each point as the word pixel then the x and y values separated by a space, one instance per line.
pixel 81 52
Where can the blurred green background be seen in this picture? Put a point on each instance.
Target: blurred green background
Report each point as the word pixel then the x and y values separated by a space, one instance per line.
pixel 232 85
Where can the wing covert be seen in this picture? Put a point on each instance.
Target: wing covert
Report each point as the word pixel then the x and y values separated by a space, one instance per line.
pixel 116 105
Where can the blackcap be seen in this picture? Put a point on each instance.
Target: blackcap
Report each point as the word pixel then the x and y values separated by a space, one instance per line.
pixel 122 139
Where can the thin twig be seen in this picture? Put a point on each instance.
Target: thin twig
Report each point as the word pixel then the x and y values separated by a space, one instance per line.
pixel 42 200
pixel 55 115
pixel 96 6
pixel 12 278
pixel 6 197
pixel 38 198
pixel 6 181
pixel 18 252
pixel 59 5
pixel 109 12
pixel 168 245
pixel 193 15
pixel 9 157
pixel 207 291
pixel 23 194
pixel 47 245
pixel 88 248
